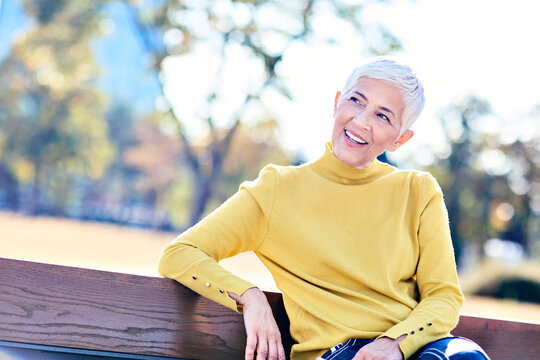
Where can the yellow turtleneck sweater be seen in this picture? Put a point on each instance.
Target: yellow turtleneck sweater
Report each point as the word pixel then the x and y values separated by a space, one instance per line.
pixel 357 253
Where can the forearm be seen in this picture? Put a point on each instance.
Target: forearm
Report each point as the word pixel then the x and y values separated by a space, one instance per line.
pixel 191 267
pixel 432 319
pixel 192 258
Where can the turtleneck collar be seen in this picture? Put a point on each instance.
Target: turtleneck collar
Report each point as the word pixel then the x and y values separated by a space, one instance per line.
pixel 331 168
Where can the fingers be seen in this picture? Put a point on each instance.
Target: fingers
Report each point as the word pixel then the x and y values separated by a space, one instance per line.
pixel 382 348
pixel 275 347
pixel 262 350
pixel 263 336
pixel 251 345
pixel 272 351
pixel 268 348
pixel 281 351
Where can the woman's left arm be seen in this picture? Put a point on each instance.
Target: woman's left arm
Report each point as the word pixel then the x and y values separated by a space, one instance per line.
pixel 441 299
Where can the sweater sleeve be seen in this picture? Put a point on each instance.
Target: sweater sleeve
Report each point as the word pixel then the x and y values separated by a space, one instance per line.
pixel 437 313
pixel 238 225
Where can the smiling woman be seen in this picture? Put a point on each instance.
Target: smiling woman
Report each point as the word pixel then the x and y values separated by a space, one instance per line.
pixel 344 234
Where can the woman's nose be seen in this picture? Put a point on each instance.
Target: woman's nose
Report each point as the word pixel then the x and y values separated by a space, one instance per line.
pixel 362 120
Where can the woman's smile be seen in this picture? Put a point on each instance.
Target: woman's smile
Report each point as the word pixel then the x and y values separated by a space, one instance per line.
pixel 355 140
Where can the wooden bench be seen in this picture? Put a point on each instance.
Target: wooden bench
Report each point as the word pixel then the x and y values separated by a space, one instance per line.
pixel 67 309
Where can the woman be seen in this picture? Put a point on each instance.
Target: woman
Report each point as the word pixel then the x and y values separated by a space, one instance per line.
pixel 361 250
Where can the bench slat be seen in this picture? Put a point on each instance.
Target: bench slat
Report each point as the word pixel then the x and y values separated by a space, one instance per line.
pixel 103 311
pixel 89 309
pixel 502 339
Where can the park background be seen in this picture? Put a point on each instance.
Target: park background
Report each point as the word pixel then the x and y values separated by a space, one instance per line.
pixel 124 122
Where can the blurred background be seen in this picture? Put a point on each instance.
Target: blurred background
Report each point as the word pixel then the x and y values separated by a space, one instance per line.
pixel 124 122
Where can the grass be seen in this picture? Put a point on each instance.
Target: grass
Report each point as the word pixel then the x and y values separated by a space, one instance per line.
pixel 129 250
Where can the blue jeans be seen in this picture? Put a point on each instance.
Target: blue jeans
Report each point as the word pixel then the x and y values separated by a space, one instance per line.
pixel 450 348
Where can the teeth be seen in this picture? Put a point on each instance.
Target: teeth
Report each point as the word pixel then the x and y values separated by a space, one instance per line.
pixel 354 138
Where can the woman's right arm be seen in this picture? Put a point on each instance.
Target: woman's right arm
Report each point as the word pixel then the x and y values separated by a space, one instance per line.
pixel 192 258
pixel 238 225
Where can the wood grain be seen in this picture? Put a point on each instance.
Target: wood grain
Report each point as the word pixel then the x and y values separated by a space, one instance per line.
pixel 89 309
pixel 502 339
pixel 97 310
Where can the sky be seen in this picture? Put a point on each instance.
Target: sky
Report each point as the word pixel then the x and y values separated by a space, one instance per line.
pixel 459 47
pixel 10 19
pixel 481 47
pixel 120 56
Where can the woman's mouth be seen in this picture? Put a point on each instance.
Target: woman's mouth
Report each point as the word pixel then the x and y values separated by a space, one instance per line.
pixel 354 139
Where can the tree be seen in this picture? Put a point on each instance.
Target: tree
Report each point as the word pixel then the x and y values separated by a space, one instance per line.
pixel 254 34
pixel 487 178
pixel 50 114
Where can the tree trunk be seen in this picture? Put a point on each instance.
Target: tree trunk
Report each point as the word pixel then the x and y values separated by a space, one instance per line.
pixel 10 184
pixel 204 185
pixel 33 206
pixel 200 199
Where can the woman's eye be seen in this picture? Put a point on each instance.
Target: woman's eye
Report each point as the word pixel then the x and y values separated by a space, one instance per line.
pixel 384 117
pixel 353 99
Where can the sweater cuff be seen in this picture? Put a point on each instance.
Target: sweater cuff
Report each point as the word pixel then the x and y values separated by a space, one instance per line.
pixel 418 335
pixel 207 278
pixel 216 285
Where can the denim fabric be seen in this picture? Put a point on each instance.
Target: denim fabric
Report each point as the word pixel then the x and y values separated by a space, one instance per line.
pixel 451 348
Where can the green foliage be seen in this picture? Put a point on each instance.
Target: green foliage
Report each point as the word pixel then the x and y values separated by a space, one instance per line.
pixel 520 289
pixel 254 35
pixel 488 181
pixel 63 139
pixel 51 113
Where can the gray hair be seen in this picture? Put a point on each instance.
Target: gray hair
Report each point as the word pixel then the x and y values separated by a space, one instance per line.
pixel 399 75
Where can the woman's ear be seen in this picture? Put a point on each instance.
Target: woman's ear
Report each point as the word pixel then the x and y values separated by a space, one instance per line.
pixel 336 100
pixel 402 139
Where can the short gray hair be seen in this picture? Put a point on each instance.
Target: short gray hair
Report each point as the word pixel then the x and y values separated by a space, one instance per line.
pixel 399 75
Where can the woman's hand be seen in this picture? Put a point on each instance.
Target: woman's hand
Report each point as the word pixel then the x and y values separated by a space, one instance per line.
pixel 262 331
pixel 381 349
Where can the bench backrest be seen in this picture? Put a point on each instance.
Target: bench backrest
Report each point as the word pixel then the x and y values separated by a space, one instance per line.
pixel 88 309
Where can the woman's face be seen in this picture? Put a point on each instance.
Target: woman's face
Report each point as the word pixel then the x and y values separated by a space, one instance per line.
pixel 367 121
